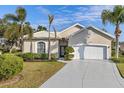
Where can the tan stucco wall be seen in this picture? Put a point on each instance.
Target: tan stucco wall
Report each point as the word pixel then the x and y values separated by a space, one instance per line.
pixel 79 38
pixel 26 47
pixel 67 32
pixel 91 37
pixel 54 46
pixel 99 38
pixel 83 37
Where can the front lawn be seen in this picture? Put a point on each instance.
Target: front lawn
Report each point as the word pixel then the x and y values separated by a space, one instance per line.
pixel 120 67
pixel 36 73
pixel 120 64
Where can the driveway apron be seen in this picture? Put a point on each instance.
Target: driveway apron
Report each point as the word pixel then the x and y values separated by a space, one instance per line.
pixel 85 74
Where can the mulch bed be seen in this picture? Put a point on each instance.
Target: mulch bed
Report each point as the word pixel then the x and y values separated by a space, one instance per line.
pixel 11 81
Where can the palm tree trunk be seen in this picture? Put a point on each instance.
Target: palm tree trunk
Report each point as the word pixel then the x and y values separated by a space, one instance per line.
pixel 10 51
pixel 117 34
pixel 49 47
pixel 21 38
pixel 117 47
pixel 31 49
pixel 31 46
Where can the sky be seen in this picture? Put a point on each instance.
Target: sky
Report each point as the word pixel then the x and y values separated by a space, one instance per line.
pixel 64 16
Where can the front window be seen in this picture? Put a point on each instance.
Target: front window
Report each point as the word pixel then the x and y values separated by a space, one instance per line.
pixel 40 47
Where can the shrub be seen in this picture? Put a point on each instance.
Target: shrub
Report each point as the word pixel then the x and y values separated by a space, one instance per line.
pixel 54 57
pixel 27 56
pixel 10 65
pixel 36 56
pixel 115 60
pixel 68 51
pixel 33 56
pixel 113 52
pixel 68 56
pixel 44 56
pixel 14 50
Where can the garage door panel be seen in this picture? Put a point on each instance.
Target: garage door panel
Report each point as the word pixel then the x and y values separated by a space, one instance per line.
pixel 90 52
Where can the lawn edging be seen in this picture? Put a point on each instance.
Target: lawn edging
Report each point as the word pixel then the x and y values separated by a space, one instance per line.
pixel 118 76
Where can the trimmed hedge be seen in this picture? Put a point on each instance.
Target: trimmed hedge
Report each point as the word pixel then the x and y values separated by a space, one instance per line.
pixel 68 56
pixel 10 65
pixel 68 51
pixel 119 60
pixel 115 60
pixel 36 56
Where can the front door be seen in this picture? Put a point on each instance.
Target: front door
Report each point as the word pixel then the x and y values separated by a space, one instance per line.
pixel 62 51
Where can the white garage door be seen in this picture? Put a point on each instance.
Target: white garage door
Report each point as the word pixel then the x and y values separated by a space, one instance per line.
pixel 90 52
pixel 94 52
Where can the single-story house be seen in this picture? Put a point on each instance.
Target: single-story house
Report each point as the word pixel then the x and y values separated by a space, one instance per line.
pixel 121 45
pixel 88 42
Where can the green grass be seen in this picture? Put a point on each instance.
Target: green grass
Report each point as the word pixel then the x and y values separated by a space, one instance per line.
pixel 36 73
pixel 119 60
pixel 120 64
pixel 120 67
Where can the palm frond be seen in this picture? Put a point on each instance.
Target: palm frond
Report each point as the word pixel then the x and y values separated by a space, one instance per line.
pixel 107 16
pixel 28 30
pixel 21 13
pixel 121 17
pixel 51 18
pixel 10 17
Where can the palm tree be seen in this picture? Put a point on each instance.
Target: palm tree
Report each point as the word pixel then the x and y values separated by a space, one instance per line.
pixel 29 31
pixel 115 17
pixel 55 32
pixel 19 17
pixel 3 26
pixel 41 28
pixel 11 34
pixel 51 18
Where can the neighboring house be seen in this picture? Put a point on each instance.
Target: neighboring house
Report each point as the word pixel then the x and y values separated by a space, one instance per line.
pixel 88 42
pixel 121 46
pixel 2 40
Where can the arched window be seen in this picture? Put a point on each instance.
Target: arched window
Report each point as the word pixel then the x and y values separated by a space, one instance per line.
pixel 40 47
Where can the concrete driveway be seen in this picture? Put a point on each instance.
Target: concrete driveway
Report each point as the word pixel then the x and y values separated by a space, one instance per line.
pixel 86 74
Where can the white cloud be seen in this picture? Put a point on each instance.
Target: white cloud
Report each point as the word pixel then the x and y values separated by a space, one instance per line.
pixel 64 15
pixel 43 10
pixel 66 11
pixel 62 19
pixel 90 13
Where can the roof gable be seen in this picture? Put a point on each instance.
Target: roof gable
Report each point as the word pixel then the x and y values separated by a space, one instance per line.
pixel 101 31
pixel 70 30
pixel 76 24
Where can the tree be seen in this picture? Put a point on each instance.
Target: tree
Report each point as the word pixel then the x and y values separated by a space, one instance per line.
pixel 55 32
pixel 51 18
pixel 20 18
pixel 11 34
pixel 115 17
pixel 41 28
pixel 29 30
pixel 3 25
